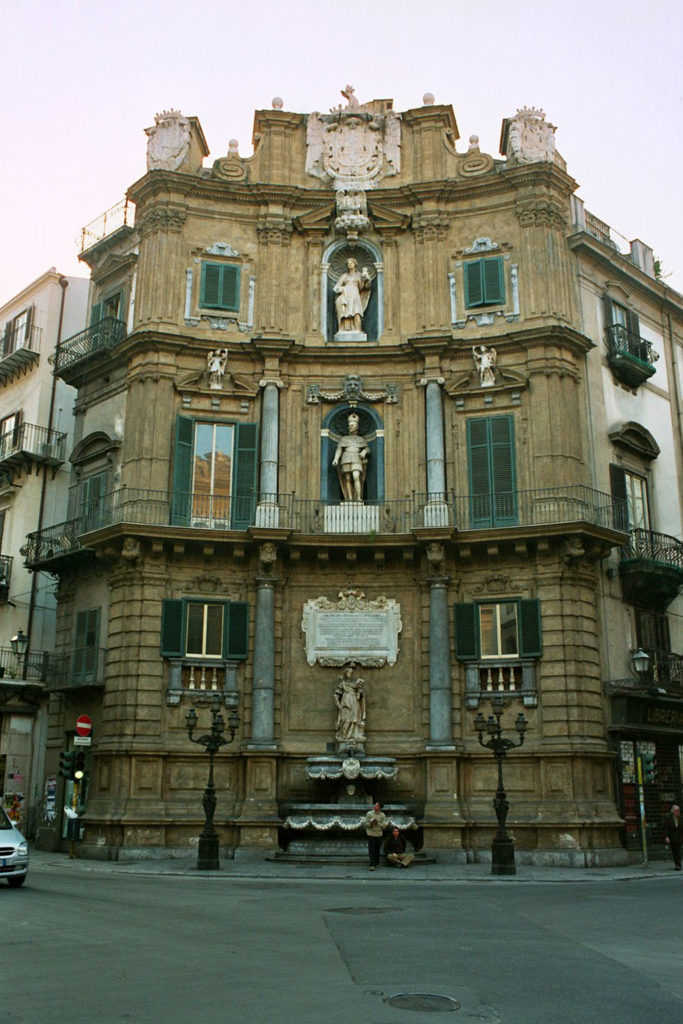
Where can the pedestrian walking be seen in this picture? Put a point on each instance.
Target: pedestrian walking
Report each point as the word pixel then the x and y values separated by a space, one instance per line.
pixel 375 822
pixel 395 850
pixel 673 834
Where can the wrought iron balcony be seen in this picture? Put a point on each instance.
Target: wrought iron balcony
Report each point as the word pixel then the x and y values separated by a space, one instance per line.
pixel 19 348
pixel 630 357
pixel 122 214
pixel 79 667
pixel 96 340
pixel 28 443
pixel 44 546
pixel 651 568
pixel 34 665
pixel 545 506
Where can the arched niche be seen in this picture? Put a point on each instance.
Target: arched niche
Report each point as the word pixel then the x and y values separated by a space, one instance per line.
pixel 334 426
pixel 366 254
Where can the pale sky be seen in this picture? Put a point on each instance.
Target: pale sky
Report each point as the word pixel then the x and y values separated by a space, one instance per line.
pixel 80 82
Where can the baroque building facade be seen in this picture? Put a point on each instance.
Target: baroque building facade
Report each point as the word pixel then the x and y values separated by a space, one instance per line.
pixel 344 410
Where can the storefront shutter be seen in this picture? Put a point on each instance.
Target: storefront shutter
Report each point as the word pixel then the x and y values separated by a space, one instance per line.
pixel 244 476
pixel 181 497
pixel 466 631
pixel 172 622
pixel 530 633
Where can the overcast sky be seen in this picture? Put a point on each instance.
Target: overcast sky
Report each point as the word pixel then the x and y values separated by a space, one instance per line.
pixel 80 82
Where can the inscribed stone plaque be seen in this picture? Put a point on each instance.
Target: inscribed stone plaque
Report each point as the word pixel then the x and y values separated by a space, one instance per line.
pixel 351 630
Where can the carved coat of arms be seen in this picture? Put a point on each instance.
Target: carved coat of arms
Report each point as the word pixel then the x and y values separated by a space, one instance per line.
pixel 168 141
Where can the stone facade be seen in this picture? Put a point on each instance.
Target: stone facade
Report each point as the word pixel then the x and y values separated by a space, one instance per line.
pixel 208 495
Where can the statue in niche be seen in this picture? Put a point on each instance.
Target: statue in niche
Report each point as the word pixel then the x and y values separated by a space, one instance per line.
pixel 485 362
pixel 349 696
pixel 216 361
pixel 353 294
pixel 351 461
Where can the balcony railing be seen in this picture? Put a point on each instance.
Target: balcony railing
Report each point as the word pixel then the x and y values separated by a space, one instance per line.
pixel 20 345
pixel 34 665
pixel 657 548
pixel 38 444
pixel 122 214
pixel 97 339
pixel 81 666
pixel 546 506
pixel 52 542
pixel 622 342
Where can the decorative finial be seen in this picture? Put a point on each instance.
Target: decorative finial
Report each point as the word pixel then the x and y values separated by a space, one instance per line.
pixel 278 102
pixel 474 144
pixel 233 147
pixel 428 99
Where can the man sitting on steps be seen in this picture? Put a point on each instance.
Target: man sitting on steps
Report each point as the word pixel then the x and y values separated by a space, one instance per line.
pixel 395 850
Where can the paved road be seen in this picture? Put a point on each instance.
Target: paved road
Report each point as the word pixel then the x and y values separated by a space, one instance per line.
pixel 104 946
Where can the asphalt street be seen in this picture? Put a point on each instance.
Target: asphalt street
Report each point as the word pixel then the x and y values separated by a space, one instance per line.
pixel 96 945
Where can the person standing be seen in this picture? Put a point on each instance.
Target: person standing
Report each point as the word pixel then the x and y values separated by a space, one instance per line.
pixel 375 822
pixel 673 834
pixel 395 850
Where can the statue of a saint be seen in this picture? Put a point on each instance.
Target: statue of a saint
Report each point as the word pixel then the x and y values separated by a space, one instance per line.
pixel 353 294
pixel 349 696
pixel 216 362
pixel 485 362
pixel 351 461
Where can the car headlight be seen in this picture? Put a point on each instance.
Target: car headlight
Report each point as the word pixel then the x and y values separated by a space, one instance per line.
pixel 22 849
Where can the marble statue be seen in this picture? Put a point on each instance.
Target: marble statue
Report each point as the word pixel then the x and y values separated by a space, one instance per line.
pixel 530 138
pixel 485 362
pixel 351 461
pixel 349 696
pixel 168 141
pixel 353 294
pixel 216 361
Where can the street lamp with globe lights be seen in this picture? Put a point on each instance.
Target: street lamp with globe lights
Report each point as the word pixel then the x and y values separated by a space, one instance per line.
pixel 207 851
pixel 502 847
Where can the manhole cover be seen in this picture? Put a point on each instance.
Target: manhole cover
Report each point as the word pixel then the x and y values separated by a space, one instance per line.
pixel 423 1001
pixel 358 910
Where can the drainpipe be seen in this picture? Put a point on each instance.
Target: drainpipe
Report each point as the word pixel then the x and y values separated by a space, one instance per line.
pixel 63 284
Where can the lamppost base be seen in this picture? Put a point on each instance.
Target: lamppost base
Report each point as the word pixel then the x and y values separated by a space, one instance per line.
pixel 207 854
pixel 503 857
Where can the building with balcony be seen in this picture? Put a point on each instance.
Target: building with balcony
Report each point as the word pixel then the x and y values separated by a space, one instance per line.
pixel 36 437
pixel 344 404
pixel 635 381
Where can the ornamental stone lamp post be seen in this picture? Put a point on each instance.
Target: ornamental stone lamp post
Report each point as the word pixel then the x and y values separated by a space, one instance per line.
pixel 207 851
pixel 502 847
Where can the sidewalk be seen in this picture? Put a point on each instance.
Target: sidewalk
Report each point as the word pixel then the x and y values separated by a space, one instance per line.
pixel 257 868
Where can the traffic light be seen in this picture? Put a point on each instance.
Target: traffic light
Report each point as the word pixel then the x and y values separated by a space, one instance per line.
pixel 67 764
pixel 649 766
pixel 79 767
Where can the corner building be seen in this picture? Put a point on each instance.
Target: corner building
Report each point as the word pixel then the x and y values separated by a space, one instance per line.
pixel 358 262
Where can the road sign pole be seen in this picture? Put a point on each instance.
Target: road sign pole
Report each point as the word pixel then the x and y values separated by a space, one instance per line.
pixel 641 801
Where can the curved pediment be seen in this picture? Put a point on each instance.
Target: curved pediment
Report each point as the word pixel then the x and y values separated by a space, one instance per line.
pixel 636 438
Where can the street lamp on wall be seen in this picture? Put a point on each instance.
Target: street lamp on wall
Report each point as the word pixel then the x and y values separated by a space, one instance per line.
pixel 19 643
pixel 640 660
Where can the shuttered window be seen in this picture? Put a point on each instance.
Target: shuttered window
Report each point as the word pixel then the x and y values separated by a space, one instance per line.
pixel 503 629
pixel 484 283
pixel 491 463
pixel 629 491
pixel 220 286
pixel 204 629
pixel 86 646
pixel 214 474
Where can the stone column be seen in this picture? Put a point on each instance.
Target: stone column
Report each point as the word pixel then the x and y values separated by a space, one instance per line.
pixel 263 690
pixel 440 698
pixel 267 511
pixel 436 508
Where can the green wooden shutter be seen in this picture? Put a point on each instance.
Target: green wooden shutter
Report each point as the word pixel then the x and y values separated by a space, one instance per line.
pixel 474 292
pixel 481 510
pixel 172 628
pixel 530 633
pixel 78 665
pixel 244 476
pixel 466 631
pixel 236 630
pixel 181 499
pixel 502 433
pixel 637 346
pixel 230 288
pixel 210 291
pixel 617 478
pixel 494 287
pixel 92 644
pixel 96 313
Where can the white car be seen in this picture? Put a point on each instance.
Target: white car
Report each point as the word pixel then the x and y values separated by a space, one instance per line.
pixel 13 852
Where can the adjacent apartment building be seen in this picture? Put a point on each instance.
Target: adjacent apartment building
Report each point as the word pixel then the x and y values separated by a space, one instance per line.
pixel 369 431
pixel 36 436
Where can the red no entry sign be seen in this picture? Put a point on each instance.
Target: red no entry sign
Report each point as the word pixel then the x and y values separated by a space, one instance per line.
pixel 83 725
